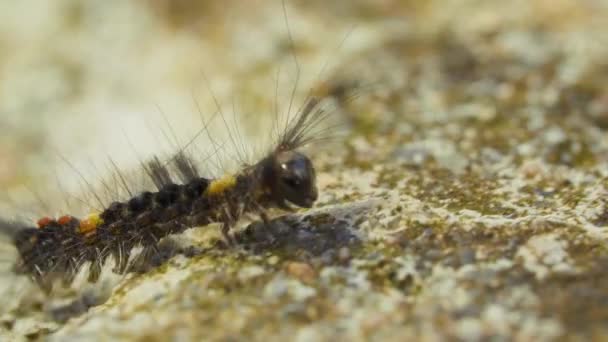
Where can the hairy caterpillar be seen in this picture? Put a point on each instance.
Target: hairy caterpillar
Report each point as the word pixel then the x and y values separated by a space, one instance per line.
pixel 284 178
pixel 183 198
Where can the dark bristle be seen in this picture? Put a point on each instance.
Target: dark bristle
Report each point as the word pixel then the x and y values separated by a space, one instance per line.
pixel 186 169
pixel 25 239
pixel 158 173
pixel 300 130
pixel 11 229
pixel 94 271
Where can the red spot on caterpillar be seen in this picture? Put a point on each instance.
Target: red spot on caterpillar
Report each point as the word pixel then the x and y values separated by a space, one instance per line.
pixel 43 222
pixel 65 219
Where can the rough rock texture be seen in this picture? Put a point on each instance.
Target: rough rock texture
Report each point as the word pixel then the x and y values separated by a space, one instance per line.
pixel 467 199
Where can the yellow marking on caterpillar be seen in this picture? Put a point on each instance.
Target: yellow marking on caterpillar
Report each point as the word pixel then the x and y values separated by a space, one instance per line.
pixel 90 223
pixel 220 185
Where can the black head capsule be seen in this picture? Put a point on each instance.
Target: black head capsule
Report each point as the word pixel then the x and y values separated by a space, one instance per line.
pixel 290 177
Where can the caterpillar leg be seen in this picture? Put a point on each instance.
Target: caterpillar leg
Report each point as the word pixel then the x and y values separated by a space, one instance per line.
pixel 265 218
pixel 230 241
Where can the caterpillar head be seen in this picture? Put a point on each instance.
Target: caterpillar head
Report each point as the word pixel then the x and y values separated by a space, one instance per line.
pixel 290 178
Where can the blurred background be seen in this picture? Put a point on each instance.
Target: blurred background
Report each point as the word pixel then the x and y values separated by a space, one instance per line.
pixel 480 124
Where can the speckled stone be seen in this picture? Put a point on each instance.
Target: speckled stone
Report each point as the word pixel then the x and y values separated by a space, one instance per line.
pixel 467 199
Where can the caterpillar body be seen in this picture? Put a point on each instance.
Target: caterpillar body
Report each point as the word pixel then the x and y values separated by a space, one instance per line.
pixel 57 248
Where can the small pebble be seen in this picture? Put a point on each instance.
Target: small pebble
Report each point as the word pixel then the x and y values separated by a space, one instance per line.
pixel 344 254
pixel 303 271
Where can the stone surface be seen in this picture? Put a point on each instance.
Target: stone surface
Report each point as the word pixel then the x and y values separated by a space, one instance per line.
pixel 465 199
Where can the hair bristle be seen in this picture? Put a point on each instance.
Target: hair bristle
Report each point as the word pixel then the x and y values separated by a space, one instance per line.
pixel 9 229
pixel 186 169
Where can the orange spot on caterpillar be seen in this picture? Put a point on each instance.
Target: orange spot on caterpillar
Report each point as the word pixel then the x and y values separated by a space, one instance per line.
pixel 43 222
pixel 65 219
pixel 90 224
